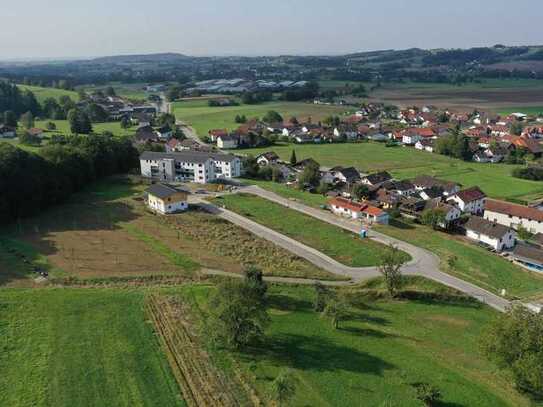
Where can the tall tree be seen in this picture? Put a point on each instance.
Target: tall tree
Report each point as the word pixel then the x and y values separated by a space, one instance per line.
pixel 390 266
pixel 10 118
pixel 293 159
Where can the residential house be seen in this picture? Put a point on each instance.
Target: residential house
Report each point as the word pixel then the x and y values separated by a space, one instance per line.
pixel 165 198
pixel 451 213
pixel 402 188
pixel 425 145
pixel 491 234
pixel 300 165
pixel 377 179
pixel 267 158
pixel 145 135
pixel 227 142
pixel 349 175
pixel 514 215
pixel 358 210
pixel 423 182
pixel 213 134
pixel 142 119
pixel 495 154
pixel 471 200
pixel 165 132
pixel 431 193
pixel 528 256
pixel 7 131
pixel 36 132
pixel 190 166
pixel 530 145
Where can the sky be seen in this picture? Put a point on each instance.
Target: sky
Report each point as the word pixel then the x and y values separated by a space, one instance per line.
pixel 71 28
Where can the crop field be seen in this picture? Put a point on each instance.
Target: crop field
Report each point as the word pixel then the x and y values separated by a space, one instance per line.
pixel 106 233
pixel 204 118
pixel 44 93
pixel 529 110
pixel 404 162
pixel 379 353
pixel 73 347
pixel 133 91
pixel 491 94
pixel 345 247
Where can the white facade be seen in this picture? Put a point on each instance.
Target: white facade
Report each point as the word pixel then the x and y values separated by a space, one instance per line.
pixel 498 244
pixel 166 207
pixel 411 139
pixel 512 221
pixel 226 142
pixel 476 206
pixel 190 166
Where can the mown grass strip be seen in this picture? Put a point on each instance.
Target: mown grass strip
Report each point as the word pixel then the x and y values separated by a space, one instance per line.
pixel 176 258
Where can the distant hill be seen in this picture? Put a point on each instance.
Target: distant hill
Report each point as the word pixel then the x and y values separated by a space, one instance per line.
pixel 142 58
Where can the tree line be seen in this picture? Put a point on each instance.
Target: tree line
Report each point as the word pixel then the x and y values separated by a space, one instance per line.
pixel 31 182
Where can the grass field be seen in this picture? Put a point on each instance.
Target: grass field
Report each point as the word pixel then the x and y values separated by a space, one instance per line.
pixel 63 127
pixel 529 110
pixel 404 162
pixel 378 354
pixel 126 90
pixel 204 118
pixel 469 261
pixel 342 246
pixel 73 347
pixel 44 93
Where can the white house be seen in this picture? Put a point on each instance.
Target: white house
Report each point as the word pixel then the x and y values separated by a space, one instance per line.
pixel 514 216
pixel 471 200
pixel 165 133
pixel 268 158
pixel 358 211
pixel 423 182
pixel 492 234
pixel 226 142
pixel 166 199
pixel 377 179
pixel 451 213
pixel 425 145
pixel 189 166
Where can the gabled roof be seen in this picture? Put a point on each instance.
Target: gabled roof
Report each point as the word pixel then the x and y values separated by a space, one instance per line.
pixel 269 155
pixel 356 206
pixel 520 211
pixel 163 191
pixel 528 252
pixel 378 178
pixel 471 194
pixel 426 181
pixel 350 173
pixel 487 228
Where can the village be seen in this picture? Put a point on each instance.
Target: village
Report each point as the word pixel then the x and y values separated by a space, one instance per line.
pixel 504 228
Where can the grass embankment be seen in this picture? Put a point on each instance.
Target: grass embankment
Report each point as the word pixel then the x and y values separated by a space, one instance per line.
pixel 469 261
pixel 204 118
pixel 341 245
pixel 405 162
pixel 378 354
pixel 72 347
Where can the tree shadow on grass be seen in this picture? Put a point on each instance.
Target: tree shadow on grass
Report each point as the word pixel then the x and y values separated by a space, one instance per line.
pixel 317 354
pixel 288 303
pixel 433 298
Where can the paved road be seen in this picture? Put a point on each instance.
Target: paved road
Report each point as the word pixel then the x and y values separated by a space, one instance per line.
pixel 423 263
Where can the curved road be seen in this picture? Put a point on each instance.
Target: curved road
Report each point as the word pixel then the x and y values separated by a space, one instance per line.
pixel 423 263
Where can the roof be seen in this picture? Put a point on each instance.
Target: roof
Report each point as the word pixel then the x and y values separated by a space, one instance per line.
pixel 187 156
pixel 487 228
pixel 164 190
pixel 520 211
pixel 6 129
pixel 350 173
pixel 426 181
pixel 527 252
pixel 378 177
pixel 356 206
pixel 35 131
pixel 471 194
pixel 399 186
pixel 269 155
